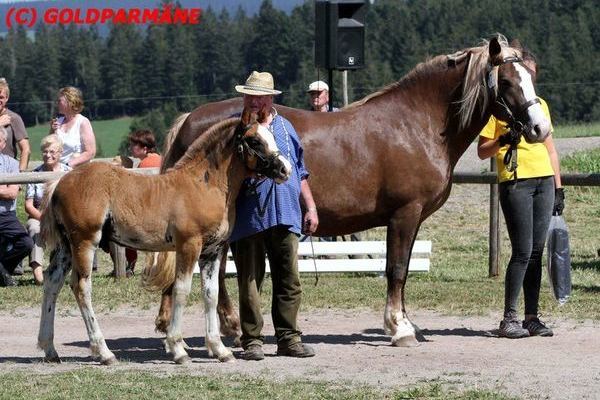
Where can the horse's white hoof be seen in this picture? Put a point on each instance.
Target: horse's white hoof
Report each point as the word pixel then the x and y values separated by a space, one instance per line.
pixel 109 361
pixel 185 359
pixel 405 341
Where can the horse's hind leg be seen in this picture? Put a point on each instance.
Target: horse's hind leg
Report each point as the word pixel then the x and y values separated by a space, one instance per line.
pixel 401 234
pixel 187 253
pixel 60 264
pixel 209 265
pixel 81 285
pixel 228 317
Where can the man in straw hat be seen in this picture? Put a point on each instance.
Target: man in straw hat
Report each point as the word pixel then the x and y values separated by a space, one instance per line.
pixel 269 221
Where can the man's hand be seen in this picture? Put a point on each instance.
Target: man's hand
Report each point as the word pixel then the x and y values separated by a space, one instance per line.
pixel 311 221
pixel 4 119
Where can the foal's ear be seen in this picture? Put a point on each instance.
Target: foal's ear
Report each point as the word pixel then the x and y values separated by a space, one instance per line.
pixel 246 117
pixel 262 115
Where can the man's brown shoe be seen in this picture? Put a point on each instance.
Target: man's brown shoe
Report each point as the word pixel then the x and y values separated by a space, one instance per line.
pixel 298 349
pixel 254 352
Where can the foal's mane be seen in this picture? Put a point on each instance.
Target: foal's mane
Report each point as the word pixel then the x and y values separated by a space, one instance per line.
pixel 474 87
pixel 210 142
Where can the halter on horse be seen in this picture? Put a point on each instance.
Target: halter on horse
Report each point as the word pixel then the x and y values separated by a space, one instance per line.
pixel 407 139
pixel 187 210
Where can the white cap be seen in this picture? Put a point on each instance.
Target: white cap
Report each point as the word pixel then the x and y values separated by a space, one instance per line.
pixel 317 86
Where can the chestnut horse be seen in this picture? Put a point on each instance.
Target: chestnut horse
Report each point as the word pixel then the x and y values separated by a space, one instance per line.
pixel 188 210
pixel 387 160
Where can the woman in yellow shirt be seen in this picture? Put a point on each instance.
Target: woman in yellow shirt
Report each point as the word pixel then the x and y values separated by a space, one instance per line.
pixel 529 196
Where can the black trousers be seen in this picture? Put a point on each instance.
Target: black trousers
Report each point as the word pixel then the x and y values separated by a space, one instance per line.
pixel 15 243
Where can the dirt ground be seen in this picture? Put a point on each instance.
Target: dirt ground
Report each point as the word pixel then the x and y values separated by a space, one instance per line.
pixel 351 347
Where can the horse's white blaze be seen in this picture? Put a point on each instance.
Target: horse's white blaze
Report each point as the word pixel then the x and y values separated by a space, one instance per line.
pixel 266 135
pixel 536 114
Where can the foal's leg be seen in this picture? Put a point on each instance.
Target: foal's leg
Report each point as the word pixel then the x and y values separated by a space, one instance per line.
pixel 401 234
pixel 187 253
pixel 60 265
pixel 81 285
pixel 209 267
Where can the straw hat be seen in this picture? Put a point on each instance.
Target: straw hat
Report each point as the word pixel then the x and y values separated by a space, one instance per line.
pixel 318 86
pixel 258 84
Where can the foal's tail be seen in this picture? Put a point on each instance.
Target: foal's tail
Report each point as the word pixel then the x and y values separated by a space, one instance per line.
pixel 49 224
pixel 172 134
pixel 159 275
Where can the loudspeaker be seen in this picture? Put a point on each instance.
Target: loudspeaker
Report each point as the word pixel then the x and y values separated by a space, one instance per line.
pixel 340 34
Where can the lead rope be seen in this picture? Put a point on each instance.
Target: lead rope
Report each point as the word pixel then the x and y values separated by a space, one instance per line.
pixel 312 248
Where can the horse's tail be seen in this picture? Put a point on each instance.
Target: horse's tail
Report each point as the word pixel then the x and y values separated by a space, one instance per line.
pixel 172 134
pixel 161 273
pixel 49 224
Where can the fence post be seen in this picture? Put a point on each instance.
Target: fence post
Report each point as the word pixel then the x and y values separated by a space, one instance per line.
pixel 118 252
pixel 494 234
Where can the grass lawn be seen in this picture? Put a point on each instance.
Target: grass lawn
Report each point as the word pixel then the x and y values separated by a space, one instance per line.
pixel 109 134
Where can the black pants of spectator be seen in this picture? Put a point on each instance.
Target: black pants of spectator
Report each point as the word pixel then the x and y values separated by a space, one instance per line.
pixel 15 243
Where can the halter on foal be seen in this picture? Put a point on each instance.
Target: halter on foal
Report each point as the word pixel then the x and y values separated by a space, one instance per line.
pixel 186 210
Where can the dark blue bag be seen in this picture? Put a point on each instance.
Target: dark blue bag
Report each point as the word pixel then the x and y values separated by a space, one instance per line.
pixel 559 259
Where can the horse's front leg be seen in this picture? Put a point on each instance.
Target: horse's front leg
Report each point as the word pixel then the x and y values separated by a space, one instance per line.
pixel 81 285
pixel 230 321
pixel 209 267
pixel 60 265
pixel 401 234
pixel 187 253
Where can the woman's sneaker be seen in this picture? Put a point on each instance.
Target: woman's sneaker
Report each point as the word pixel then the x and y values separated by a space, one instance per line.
pixel 535 327
pixel 512 329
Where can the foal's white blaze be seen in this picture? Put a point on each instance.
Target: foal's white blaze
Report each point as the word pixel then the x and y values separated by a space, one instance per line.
pixel 541 124
pixel 266 135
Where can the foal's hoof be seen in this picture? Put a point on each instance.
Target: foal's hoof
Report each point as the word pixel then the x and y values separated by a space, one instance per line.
pixel 406 341
pixel 183 360
pixel 227 358
pixel 109 361
pixel 237 341
pixel 52 359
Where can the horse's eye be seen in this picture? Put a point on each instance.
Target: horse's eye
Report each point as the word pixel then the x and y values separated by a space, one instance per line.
pixel 504 82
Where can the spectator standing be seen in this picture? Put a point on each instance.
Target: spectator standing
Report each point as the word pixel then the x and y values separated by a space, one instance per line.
pixel 73 129
pixel 17 140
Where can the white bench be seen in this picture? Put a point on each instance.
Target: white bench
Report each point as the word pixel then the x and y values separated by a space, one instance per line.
pixel 419 261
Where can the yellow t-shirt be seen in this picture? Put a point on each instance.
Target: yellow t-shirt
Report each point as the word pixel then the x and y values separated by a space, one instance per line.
pixel 532 159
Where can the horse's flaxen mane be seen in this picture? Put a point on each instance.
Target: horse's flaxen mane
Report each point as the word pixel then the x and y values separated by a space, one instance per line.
pixel 211 141
pixel 474 85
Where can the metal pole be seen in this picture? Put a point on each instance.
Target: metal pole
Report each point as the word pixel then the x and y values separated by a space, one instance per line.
pixel 345 86
pixel 494 234
pixel 331 94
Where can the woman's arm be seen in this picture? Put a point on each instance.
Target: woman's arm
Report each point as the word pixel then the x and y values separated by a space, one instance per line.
pixel 487 148
pixel 31 210
pixel 88 144
pixel 554 160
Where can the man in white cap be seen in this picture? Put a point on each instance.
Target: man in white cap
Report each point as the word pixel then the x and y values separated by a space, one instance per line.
pixel 268 222
pixel 319 96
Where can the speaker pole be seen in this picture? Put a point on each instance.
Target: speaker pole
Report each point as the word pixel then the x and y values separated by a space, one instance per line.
pixel 345 87
pixel 331 95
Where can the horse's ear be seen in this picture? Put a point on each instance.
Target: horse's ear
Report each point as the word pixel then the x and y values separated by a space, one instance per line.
pixel 246 117
pixel 516 44
pixel 495 50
